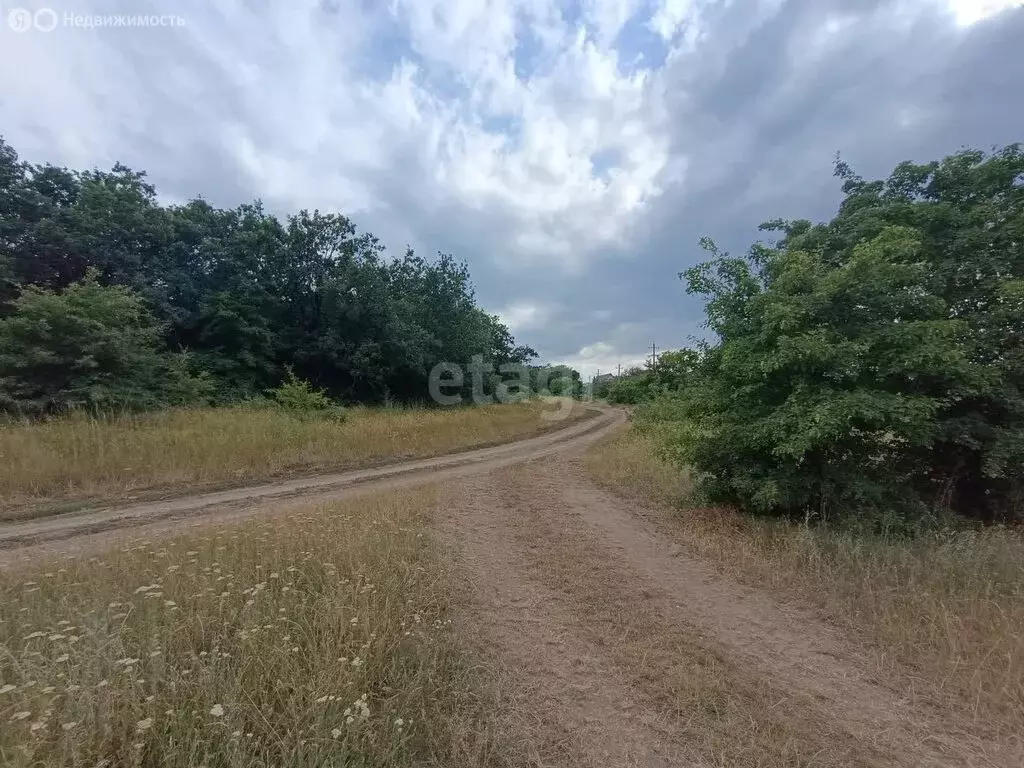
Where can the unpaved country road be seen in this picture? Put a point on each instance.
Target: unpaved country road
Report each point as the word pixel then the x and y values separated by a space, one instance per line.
pixel 237 502
pixel 617 648
pixel 608 643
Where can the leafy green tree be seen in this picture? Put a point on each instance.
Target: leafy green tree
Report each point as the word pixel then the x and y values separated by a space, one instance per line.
pixel 871 367
pixel 631 388
pixel 248 294
pixel 671 372
pixel 558 380
pixel 88 346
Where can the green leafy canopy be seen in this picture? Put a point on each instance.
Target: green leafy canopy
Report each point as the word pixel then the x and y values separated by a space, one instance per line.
pixel 871 367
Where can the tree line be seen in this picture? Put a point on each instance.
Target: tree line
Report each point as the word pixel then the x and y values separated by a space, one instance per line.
pixel 110 299
pixel 869 368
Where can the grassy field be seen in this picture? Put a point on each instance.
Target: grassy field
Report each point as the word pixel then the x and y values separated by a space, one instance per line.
pixel 948 606
pixel 320 637
pixel 49 466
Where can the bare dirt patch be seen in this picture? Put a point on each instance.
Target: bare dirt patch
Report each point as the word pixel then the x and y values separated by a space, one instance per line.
pixel 617 648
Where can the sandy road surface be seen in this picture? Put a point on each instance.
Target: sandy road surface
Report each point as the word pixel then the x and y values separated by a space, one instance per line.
pixel 611 645
pixel 617 648
pixel 236 502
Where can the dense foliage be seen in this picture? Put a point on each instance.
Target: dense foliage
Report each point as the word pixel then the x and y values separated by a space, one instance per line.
pixel 872 366
pixel 103 290
pixel 670 373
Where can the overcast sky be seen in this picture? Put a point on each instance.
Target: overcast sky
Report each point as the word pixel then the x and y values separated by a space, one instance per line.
pixel 572 152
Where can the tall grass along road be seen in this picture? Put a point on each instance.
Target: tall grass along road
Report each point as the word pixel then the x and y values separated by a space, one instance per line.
pixel 50 467
pixel 319 638
pixel 237 501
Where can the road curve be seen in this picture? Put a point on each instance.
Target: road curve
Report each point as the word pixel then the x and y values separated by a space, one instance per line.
pixel 18 535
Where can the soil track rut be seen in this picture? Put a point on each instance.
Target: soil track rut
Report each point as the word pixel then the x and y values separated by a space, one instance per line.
pixel 629 652
pixel 235 501
pixel 610 644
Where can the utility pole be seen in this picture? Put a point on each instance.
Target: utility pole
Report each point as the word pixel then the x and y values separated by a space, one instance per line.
pixel 654 355
pixel 620 371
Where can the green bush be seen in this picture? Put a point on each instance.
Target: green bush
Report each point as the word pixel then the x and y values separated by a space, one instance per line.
pixel 871 368
pixel 299 398
pixel 89 346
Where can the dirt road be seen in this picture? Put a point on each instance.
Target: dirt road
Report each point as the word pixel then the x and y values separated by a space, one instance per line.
pixel 611 645
pixel 630 652
pixel 238 502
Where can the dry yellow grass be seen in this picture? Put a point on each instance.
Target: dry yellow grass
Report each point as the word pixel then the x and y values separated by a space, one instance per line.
pixel 47 465
pixel 949 606
pixel 320 637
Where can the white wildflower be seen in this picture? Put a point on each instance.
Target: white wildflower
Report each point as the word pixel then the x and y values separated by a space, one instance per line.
pixel 217 710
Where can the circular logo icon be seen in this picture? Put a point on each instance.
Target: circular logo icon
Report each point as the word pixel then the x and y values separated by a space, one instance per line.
pixel 45 19
pixel 19 19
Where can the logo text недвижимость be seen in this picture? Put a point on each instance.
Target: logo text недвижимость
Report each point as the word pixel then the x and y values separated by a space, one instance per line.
pixel 47 20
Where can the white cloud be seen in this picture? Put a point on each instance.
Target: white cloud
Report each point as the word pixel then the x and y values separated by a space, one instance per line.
pixel 602 357
pixel 969 12
pixel 683 19
pixel 504 107
pixel 609 16
pixel 525 316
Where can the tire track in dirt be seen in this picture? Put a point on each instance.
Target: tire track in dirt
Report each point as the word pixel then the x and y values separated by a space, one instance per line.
pixel 574 703
pixel 630 652
pixel 239 502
